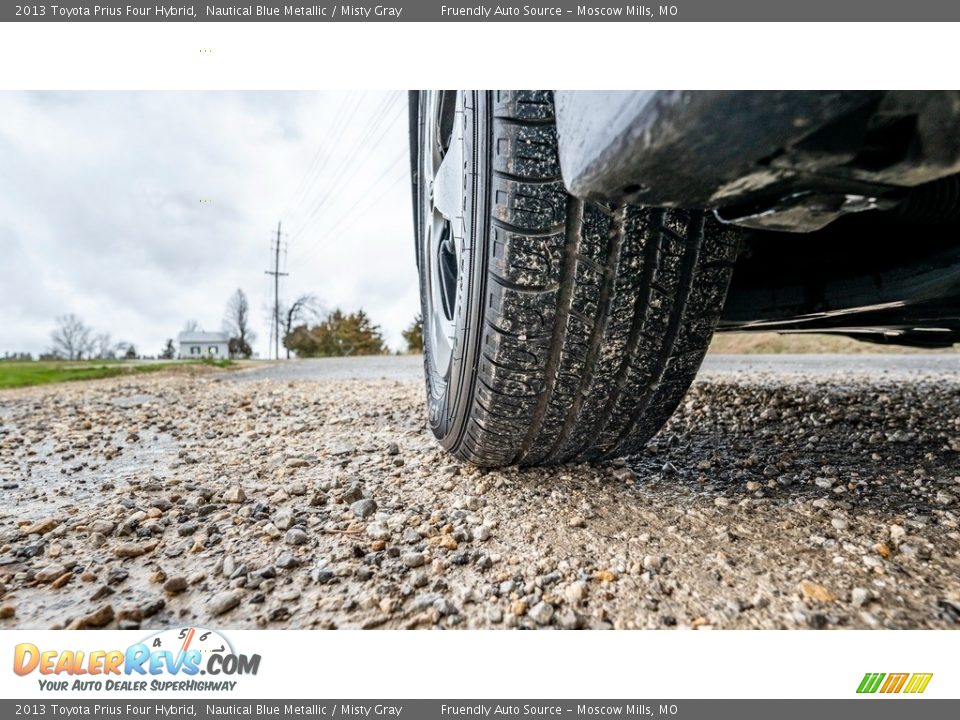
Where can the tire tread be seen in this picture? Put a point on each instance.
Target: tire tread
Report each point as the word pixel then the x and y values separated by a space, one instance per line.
pixel 596 318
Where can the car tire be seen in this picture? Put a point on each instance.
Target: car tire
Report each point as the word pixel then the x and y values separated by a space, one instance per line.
pixel 555 330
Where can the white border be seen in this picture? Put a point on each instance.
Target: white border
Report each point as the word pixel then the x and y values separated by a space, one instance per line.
pixel 312 56
pixel 641 664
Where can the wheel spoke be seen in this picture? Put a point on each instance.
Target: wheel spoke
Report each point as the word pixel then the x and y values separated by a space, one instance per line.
pixel 448 276
pixel 443 165
pixel 448 184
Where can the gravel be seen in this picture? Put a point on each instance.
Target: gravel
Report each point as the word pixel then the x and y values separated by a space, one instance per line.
pixel 817 495
pixel 223 602
pixel 363 508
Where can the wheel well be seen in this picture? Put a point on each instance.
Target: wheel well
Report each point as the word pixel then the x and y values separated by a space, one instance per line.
pixel 874 276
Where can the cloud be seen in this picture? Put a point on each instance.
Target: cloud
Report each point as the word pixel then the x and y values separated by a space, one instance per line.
pixel 141 210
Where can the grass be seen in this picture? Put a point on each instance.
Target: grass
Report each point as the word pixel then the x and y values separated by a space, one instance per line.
pixel 219 362
pixel 22 374
pixel 768 342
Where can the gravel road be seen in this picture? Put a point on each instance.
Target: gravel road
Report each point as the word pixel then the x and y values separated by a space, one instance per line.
pixel 787 492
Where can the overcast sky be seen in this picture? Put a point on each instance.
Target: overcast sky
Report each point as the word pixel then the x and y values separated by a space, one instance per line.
pixel 139 211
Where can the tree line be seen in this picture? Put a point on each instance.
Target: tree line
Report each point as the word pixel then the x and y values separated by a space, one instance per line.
pixel 306 330
pixel 72 339
pixel 342 334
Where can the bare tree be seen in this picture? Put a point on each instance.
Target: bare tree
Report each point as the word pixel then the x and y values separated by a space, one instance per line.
pixel 301 311
pixel 191 326
pixel 71 338
pixel 104 348
pixel 236 322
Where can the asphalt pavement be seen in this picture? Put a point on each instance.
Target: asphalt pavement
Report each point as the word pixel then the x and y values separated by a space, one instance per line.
pixel 880 366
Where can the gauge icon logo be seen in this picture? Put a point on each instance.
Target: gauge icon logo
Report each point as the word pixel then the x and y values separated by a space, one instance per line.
pixel 207 642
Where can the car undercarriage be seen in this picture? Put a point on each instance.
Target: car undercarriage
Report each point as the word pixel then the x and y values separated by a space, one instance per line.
pixel 850 201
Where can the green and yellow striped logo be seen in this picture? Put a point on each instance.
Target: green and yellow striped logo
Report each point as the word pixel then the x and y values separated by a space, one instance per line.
pixel 913 683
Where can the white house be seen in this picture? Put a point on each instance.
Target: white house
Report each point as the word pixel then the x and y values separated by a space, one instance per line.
pixel 196 345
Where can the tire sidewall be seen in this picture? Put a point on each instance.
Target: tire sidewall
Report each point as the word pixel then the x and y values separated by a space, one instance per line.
pixel 448 398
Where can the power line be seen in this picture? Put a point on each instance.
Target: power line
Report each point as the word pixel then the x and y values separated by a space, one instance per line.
pixel 336 185
pixel 323 170
pixel 316 156
pixel 341 123
pixel 362 148
pixel 275 315
pixel 364 195
pixel 372 141
pixel 372 201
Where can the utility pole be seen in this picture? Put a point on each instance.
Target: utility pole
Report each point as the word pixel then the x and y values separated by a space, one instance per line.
pixel 275 320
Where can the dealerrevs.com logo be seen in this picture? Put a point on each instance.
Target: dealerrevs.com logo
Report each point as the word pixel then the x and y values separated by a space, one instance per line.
pixel 909 683
pixel 170 660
